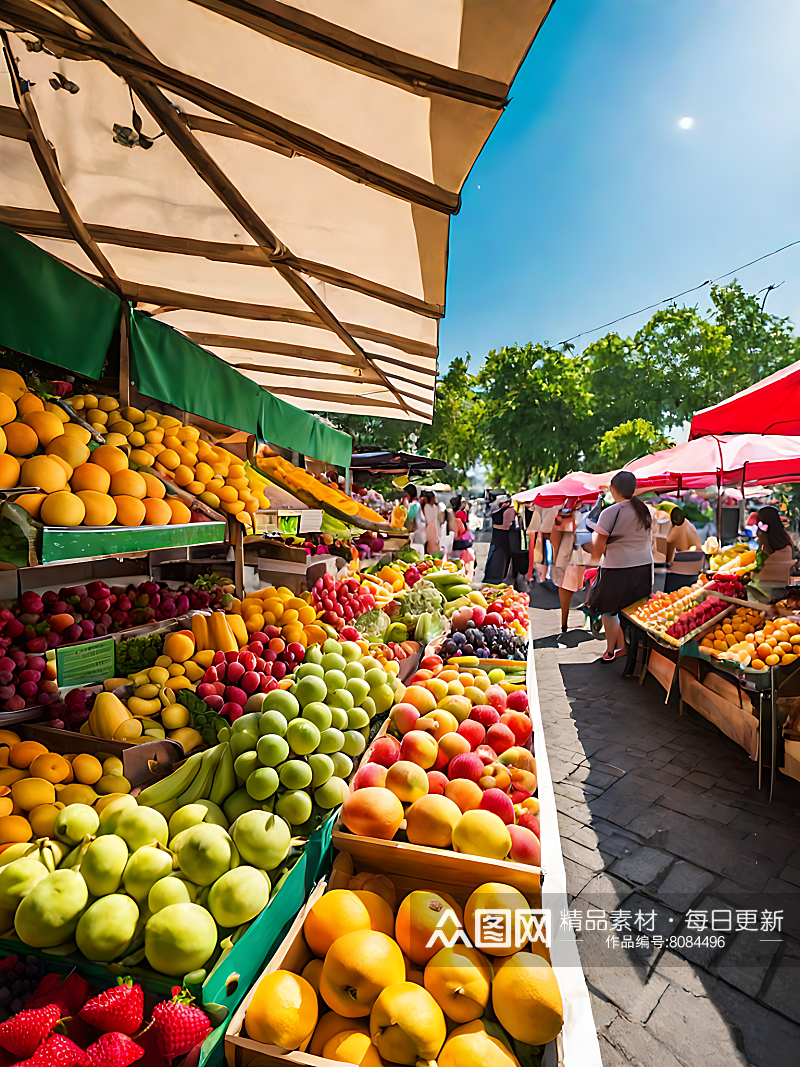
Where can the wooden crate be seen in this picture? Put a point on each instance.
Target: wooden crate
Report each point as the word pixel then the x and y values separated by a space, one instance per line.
pixel 293 954
pixel 737 723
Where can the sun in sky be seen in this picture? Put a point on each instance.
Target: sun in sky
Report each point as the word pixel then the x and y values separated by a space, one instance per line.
pixel 686 123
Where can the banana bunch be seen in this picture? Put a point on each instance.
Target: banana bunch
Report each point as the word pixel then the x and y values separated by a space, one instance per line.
pixel 207 775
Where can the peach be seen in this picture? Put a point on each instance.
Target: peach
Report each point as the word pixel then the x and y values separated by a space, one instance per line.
pixel 449 675
pixel 464 792
pixel 442 759
pixel 519 724
pixel 454 745
pixel 430 821
pixel 438 723
pixel 472 731
pixel 525 845
pixel 485 714
pixel 518 795
pixel 385 751
pixel 500 737
pixel 456 705
pixel 420 676
pixel 437 687
pixel 405 716
pixel 437 782
pixel 517 701
pixel 496 776
pixel 408 781
pixel 496 696
pixel 422 699
pixel 499 803
pixel 526 818
pixel 467 765
pixel 370 774
pixel 373 812
pixel 420 748
pixel 486 754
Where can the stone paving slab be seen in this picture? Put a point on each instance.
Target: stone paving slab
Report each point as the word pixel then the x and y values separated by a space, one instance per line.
pixel 660 811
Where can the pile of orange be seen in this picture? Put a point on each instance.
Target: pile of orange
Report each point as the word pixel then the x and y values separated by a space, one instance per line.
pixel 752 641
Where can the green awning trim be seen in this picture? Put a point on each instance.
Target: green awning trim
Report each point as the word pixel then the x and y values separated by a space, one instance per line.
pixel 169 367
pixel 50 312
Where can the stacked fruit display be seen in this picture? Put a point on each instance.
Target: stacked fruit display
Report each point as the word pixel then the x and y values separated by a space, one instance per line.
pixel 340 602
pixel 38 784
pixel 286 474
pixel 748 639
pixel 26 681
pixel 477 632
pixel 38 622
pixel 125 883
pixel 662 610
pixel 280 613
pixel 694 618
pixel 99 1026
pixel 456 768
pixel 288 750
pixel 380 987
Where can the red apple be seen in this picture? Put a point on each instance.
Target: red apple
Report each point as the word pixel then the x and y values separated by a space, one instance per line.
pixel 420 748
pixel 499 803
pixel 473 731
pixel 517 701
pixel 525 846
pixel 467 765
pixel 486 754
pixel 526 818
pixel 496 697
pixel 519 724
pixel 500 737
pixel 405 716
pixel 385 751
pixel 369 774
pixel 437 782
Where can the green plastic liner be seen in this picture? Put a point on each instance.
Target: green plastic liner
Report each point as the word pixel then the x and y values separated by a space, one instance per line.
pixel 169 367
pixel 50 312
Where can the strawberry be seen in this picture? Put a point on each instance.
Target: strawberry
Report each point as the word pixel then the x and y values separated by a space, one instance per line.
pixel 114 1050
pixel 57 1051
pixel 23 1033
pixel 119 1009
pixel 69 994
pixel 178 1024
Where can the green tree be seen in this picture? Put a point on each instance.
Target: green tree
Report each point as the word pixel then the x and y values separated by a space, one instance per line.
pixel 456 434
pixel 627 442
pixel 680 361
pixel 537 412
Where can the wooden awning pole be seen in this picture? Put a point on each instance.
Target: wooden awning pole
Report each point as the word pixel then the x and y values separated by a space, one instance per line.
pixel 125 356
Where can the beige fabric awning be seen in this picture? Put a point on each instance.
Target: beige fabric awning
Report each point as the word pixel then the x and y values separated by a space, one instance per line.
pixel 292 213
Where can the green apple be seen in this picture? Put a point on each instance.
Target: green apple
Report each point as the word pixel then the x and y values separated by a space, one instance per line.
pixel 334 680
pixel 354 670
pixel 375 676
pixel 357 719
pixel 295 774
pixel 338 718
pixel 272 722
pixel 247 724
pixel 313 654
pixel 307 691
pixel 245 764
pixel 262 783
pixel 272 750
pixel 283 701
pixel 354 743
pixel 332 793
pixel 341 698
pixel 321 768
pixel 319 714
pixel 294 807
pixel 331 645
pixel 368 704
pixel 383 695
pixel 330 741
pixel 351 651
pixel 342 764
pixel 359 687
pixel 309 668
pixel 331 661
pixel 303 736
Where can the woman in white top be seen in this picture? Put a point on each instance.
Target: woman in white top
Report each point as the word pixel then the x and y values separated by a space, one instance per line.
pixel 430 510
pixel 622 538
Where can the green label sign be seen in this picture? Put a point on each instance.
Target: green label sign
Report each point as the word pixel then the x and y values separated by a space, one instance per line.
pixel 85 664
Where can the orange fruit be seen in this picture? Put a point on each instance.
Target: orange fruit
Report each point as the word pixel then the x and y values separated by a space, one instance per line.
pixel 8 409
pixel 32 502
pixel 62 463
pixel 90 476
pixel 169 458
pixel 155 487
pixel 12 384
pixel 183 475
pixel 130 510
pixel 62 509
pixel 100 508
pixel 9 471
pixel 357 967
pixel 157 512
pixel 28 402
pixel 23 753
pixel 45 424
pixel 21 440
pixel 128 483
pixel 338 912
pixel 51 767
pixel 526 999
pixel 180 513
pixel 68 448
pixel 417 918
pixel 45 472
pixel 109 458
pixel 283 1010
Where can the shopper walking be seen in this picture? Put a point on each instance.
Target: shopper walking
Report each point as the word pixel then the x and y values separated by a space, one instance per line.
pixel 499 556
pixel 684 552
pixel 430 511
pixel 622 539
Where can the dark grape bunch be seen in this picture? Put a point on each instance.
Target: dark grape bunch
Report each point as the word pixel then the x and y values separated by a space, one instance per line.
pixel 18 979
pixel 486 642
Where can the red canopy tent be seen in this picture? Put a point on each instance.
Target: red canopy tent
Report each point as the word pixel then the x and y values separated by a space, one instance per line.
pixel 769 407
pixel 575 488
pixel 727 459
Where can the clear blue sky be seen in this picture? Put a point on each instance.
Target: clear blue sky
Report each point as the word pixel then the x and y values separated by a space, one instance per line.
pixel 590 201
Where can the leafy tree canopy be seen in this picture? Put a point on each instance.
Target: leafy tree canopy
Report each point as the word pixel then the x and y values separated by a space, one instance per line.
pixel 627 442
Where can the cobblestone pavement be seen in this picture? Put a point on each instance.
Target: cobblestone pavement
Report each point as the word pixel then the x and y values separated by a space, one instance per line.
pixel 658 810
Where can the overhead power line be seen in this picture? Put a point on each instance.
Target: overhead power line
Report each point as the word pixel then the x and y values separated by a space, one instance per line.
pixel 670 299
